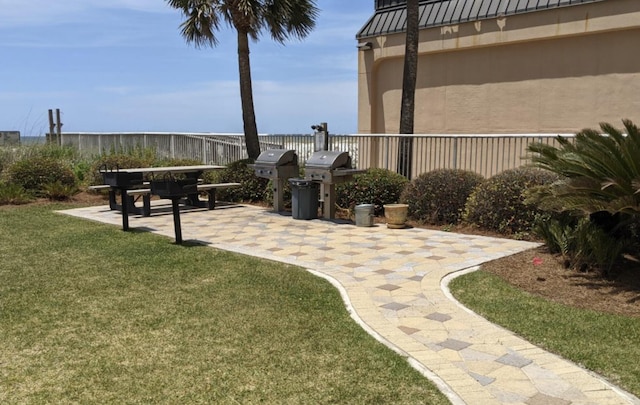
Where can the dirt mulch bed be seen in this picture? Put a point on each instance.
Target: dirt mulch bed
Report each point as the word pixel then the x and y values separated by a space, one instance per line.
pixel 543 274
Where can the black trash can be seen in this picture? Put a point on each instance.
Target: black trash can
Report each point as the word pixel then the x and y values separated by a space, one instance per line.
pixel 304 199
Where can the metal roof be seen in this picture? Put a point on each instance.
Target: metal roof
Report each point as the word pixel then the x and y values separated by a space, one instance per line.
pixel 393 18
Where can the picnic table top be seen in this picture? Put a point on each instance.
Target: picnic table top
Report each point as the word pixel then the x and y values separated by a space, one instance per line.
pixel 169 169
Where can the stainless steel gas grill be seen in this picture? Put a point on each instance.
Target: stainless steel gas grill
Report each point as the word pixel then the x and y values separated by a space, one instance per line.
pixel 277 165
pixel 329 168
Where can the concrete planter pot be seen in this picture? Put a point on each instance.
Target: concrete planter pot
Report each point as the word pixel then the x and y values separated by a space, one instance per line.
pixel 396 215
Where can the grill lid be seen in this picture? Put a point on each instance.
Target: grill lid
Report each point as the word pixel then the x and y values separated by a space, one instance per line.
pixel 277 157
pixel 329 160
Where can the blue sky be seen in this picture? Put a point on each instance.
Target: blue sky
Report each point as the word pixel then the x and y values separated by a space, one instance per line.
pixel 122 65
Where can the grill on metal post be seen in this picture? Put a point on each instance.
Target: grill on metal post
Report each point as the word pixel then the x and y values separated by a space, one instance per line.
pixel 122 180
pixel 174 189
pixel 329 168
pixel 277 165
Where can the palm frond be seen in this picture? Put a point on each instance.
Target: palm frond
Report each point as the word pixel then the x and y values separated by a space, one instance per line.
pixel 201 22
pixel 602 170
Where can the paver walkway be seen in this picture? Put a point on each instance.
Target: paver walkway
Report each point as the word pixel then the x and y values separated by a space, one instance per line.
pixel 392 282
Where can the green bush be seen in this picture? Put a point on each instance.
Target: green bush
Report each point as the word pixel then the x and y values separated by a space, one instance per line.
pixel 33 173
pixel 13 194
pixel 582 243
pixel 253 189
pixel 599 173
pixel 286 196
pixel 375 186
pixel 58 191
pixel 598 188
pixel 498 204
pixel 177 162
pixel 439 197
pixel 13 154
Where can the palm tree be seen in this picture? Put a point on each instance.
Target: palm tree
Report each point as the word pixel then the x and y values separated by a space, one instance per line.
pixel 282 19
pixel 409 76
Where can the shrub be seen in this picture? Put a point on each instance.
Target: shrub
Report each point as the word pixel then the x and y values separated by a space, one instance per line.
pixel 600 173
pixel 34 172
pixel 58 191
pixel 13 194
pixel 582 243
pixel 286 196
pixel 375 186
pixel 498 204
pixel 177 162
pixel 439 197
pixel 81 170
pixel 253 188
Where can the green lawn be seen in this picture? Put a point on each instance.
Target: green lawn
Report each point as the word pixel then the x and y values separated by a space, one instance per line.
pixel 91 314
pixel 604 343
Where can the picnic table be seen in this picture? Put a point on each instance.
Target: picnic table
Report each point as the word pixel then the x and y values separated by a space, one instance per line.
pixel 173 182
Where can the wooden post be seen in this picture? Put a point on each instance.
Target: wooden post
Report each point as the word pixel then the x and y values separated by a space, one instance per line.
pixel 51 127
pixel 58 127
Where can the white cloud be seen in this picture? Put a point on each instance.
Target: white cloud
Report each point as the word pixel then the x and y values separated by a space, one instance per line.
pixel 294 107
pixel 46 12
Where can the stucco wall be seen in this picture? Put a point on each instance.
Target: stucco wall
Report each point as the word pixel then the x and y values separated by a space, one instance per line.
pixel 544 72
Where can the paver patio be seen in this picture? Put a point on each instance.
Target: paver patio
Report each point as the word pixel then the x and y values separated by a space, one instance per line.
pixel 393 283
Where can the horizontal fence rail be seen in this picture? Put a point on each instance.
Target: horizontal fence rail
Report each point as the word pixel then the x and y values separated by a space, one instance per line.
pixel 485 154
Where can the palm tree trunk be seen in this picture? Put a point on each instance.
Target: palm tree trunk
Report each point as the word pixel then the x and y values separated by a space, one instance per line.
pixel 246 97
pixel 409 77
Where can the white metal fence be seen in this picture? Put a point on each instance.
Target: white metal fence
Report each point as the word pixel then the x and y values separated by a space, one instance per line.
pixel 486 154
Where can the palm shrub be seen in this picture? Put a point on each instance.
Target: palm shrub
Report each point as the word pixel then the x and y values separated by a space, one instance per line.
pixel 439 197
pixel 599 185
pixel 582 244
pixel 13 194
pixel 499 203
pixel 33 173
pixel 375 186
pixel 58 191
pixel 600 173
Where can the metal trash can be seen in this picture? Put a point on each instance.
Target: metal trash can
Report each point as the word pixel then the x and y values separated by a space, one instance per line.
pixel 364 215
pixel 304 199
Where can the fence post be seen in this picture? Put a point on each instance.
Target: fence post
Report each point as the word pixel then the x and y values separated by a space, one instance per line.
pixel 455 152
pixel 204 151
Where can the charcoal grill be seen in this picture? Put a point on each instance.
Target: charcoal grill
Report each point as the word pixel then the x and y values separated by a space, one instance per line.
pixel 277 165
pixel 122 180
pixel 174 189
pixel 329 168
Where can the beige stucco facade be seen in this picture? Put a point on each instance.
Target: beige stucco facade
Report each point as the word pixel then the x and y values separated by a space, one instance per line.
pixel 552 71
